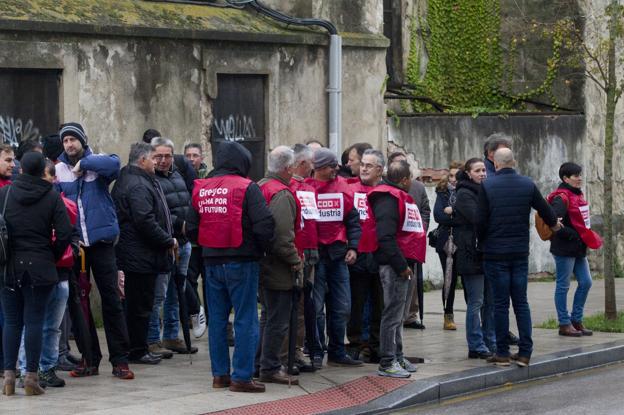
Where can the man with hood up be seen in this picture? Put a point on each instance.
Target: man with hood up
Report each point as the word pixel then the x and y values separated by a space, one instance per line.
pixel 234 227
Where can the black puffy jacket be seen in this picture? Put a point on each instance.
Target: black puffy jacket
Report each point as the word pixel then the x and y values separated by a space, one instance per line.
pixel 178 200
pixel 34 208
pixel 145 239
pixel 468 257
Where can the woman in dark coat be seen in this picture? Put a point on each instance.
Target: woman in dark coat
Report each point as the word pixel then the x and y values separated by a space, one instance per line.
pixel 469 261
pixel 33 210
pixel 444 216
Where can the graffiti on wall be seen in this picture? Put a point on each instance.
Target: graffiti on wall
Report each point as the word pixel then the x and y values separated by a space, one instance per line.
pixel 235 128
pixel 14 130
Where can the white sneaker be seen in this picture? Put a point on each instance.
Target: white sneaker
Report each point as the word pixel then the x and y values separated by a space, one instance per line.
pixel 199 323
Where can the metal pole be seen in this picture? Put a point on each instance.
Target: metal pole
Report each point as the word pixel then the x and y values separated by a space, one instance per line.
pixel 335 94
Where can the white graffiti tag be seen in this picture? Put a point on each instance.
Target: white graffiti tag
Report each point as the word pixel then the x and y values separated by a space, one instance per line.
pixel 235 128
pixel 13 130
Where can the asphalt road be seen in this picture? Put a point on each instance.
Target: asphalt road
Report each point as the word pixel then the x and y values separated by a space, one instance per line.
pixel 595 392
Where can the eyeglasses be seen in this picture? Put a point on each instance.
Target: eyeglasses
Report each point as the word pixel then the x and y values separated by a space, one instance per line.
pixel 162 156
pixel 369 166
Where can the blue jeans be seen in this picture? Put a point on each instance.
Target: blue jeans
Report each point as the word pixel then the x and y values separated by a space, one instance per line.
pixel 55 309
pixel 167 292
pixel 232 285
pixel 332 279
pixel 565 266
pixel 509 280
pixel 487 315
pixel 474 286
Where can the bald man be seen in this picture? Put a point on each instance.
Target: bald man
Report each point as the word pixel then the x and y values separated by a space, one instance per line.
pixel 505 203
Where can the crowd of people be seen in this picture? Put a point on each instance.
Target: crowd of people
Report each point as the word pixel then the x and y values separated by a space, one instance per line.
pixel 332 252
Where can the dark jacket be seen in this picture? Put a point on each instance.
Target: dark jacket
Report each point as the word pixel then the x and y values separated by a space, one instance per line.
pixel 566 242
pixel 504 209
pixel 145 237
pixel 257 220
pixel 178 200
pixel 444 220
pixel 34 209
pixel 276 271
pixel 186 170
pixel 490 169
pixel 386 210
pixel 468 257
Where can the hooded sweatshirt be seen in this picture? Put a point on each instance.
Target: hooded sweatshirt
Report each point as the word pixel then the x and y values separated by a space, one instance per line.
pixel 33 210
pixel 257 221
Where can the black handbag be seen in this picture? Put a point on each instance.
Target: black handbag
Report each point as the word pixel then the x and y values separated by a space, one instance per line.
pixel 433 237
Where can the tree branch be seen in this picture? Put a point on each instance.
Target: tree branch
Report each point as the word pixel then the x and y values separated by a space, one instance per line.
pixel 596 61
pixel 591 76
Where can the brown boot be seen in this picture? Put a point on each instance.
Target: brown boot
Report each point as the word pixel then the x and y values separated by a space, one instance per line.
pixel 31 384
pixel 580 327
pixel 250 387
pixel 280 377
pixel 521 361
pixel 221 382
pixel 569 331
pixel 9 383
pixel 449 323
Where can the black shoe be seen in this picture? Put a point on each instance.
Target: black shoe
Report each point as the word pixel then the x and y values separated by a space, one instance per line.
pixel 294 371
pixel 415 325
pixel 317 362
pixel 345 361
pixel 65 365
pixel 304 367
pixel 147 359
pixel 75 360
pixel 512 339
pixel 373 358
pixel 479 355
pixel 49 378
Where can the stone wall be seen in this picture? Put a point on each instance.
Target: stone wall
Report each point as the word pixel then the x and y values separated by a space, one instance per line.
pixel 541 144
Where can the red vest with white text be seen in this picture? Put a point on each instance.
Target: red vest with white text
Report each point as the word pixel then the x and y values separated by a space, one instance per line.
pixel 306 235
pixel 334 200
pixel 368 240
pixel 219 202
pixel 578 212
pixel 272 187
pixel 67 260
pixel 411 236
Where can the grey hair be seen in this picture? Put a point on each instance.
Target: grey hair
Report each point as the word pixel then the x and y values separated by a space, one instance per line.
pixel 381 160
pixel 139 151
pixel 302 152
pixel 280 158
pixel 162 141
pixel 494 141
pixel 504 158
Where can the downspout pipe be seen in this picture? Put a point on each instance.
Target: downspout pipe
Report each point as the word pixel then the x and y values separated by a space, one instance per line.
pixel 334 89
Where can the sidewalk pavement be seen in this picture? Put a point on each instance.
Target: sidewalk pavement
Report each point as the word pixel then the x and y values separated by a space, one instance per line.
pixel 178 387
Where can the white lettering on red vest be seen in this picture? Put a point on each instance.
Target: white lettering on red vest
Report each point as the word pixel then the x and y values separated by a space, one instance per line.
pixel 585 214
pixel 413 221
pixel 361 204
pixel 210 203
pixel 330 207
pixel 309 210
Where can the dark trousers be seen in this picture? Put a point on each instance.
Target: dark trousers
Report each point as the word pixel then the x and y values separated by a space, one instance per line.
pixel 276 309
pixel 101 261
pixel 363 285
pixel 195 270
pixel 450 301
pixel 24 307
pixel 139 290
pixel 510 280
pixel 309 315
pixel 83 330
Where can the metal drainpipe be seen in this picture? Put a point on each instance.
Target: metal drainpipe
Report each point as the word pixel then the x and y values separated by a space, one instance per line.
pixel 335 94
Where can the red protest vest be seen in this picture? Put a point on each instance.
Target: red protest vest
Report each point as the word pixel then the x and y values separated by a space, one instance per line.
pixel 368 240
pixel 306 235
pixel 411 236
pixel 334 200
pixel 219 202
pixel 67 260
pixel 578 212
pixel 272 187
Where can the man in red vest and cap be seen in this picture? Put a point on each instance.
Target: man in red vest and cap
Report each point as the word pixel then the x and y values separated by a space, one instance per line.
pixel 339 233
pixel 282 266
pixel 400 236
pixel 235 229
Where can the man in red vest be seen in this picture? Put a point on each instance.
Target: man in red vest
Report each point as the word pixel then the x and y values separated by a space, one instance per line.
pixel 281 268
pixel 364 273
pixel 235 229
pixel 400 235
pixel 339 233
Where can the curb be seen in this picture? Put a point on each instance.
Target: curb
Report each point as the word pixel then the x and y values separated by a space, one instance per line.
pixel 437 388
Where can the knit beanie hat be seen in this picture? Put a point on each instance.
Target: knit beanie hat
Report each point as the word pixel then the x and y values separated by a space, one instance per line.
pixel 52 146
pixel 74 129
pixel 324 157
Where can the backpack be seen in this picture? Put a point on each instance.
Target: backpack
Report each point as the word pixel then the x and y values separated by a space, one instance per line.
pixel 543 230
pixel 4 233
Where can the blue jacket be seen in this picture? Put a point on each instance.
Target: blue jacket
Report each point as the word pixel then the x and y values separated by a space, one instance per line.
pixel 504 209
pixel 97 220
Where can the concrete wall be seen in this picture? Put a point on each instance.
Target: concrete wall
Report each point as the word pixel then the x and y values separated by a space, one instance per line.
pixel 541 144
